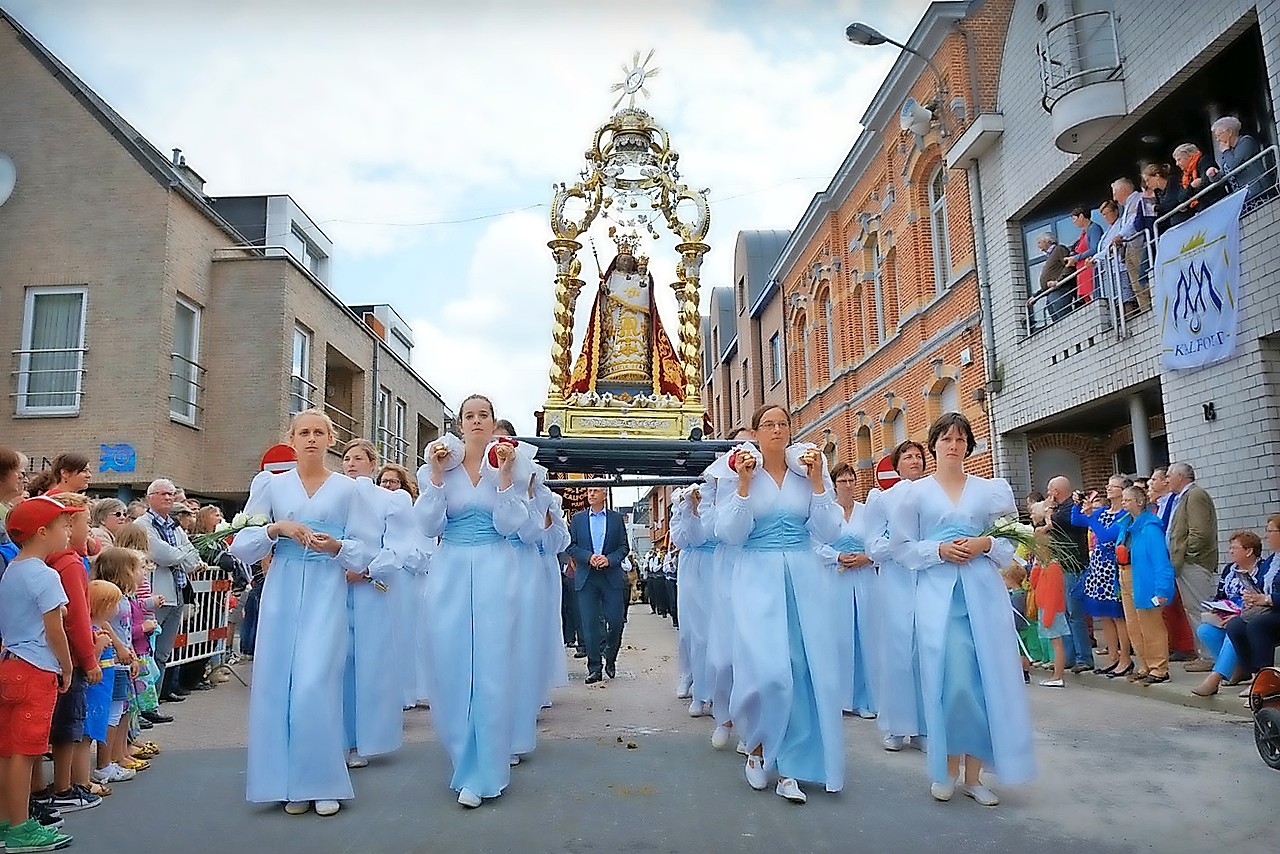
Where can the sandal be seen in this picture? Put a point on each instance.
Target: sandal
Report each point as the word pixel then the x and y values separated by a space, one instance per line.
pixel 99 789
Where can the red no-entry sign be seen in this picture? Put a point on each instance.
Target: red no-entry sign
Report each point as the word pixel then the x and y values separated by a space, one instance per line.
pixel 279 458
pixel 885 474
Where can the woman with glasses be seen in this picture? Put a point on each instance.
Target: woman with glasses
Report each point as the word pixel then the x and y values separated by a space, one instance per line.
pixel 975 702
pixel 786 698
pixel 857 603
pixel 1244 572
pixel 407 596
pixel 106 516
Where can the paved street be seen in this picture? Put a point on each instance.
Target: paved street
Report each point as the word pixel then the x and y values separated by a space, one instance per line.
pixel 623 768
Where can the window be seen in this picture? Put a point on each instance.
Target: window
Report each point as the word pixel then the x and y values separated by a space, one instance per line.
pixel 300 387
pixel 184 366
pixel 775 357
pixel 950 397
pixel 938 225
pixel 402 412
pixel 382 435
pixel 877 290
pixel 829 313
pixel 895 428
pixel 51 361
pixel 803 343
pixel 737 396
pixel 742 292
pixel 746 378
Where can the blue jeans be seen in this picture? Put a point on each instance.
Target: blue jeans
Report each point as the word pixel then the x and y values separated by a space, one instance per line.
pixel 1076 645
pixel 249 624
pixel 1220 645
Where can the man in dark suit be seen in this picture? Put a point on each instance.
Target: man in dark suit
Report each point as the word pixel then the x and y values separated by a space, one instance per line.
pixel 597 545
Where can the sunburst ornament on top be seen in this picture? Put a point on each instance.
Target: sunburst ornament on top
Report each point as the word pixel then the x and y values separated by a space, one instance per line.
pixel 634 80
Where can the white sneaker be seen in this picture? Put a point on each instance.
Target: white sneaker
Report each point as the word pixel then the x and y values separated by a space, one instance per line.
pixel 685 689
pixel 1052 683
pixel 698 709
pixel 327 807
pixel 943 791
pixel 790 789
pixel 114 773
pixel 980 793
pixel 469 799
pixel 866 714
pixel 355 760
pixel 757 774
pixel 893 743
pixel 515 759
pixel 297 807
pixel 720 737
pixel 920 743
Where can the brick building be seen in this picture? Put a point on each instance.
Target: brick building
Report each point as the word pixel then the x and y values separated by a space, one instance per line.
pixel 142 328
pixel 880 285
pixel 1087 92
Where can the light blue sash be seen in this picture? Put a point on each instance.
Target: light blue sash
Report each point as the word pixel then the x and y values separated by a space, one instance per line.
pixel 471 527
pixel 707 546
pixel 849 544
pixel 287 548
pixel 778 532
pixel 952 531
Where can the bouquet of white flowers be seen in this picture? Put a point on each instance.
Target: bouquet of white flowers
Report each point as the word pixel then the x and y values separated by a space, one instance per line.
pixel 205 542
pixel 1024 536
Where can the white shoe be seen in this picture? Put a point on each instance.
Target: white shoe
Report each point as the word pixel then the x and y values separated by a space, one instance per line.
pixel 980 793
pixel 719 737
pixel 297 807
pixel 757 774
pixel 685 690
pixel 866 714
pixel 355 760
pixel 893 743
pixel 742 748
pixel 327 807
pixel 697 709
pixel 515 759
pixel 1052 683
pixel 114 773
pixel 790 789
pixel 469 799
pixel 920 743
pixel 943 791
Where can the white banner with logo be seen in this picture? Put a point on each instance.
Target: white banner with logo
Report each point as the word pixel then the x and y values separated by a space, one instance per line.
pixel 1198 287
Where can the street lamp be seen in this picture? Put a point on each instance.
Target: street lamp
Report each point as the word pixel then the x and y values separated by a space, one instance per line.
pixel 867 36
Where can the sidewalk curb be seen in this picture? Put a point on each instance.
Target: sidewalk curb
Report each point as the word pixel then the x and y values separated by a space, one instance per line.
pixel 1176 692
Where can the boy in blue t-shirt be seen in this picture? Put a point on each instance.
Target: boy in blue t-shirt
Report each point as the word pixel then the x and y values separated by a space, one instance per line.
pixel 35 664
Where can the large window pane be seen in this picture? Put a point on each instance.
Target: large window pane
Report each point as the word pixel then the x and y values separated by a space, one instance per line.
pixel 300 386
pixel 184 373
pixel 52 358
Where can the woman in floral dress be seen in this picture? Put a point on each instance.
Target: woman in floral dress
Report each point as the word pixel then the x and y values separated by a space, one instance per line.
pixel 1102 581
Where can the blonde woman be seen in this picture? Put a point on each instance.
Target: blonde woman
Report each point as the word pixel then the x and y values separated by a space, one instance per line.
pixel 408 597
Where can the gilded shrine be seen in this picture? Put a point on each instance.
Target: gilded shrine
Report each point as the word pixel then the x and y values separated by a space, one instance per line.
pixel 628 378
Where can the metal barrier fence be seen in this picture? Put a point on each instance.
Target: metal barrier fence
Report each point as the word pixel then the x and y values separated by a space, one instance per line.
pixel 204 627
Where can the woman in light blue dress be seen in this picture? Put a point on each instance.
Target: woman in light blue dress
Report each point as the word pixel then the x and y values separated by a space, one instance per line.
pixel 295 708
pixel 900 705
pixel 857 602
pixel 554 540
pixel 693 532
pixel 786 700
pixel 975 702
pixel 472 601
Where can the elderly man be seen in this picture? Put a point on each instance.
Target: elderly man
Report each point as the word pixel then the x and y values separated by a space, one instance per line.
pixel 1073 540
pixel 1129 237
pixel 1236 149
pixel 1193 547
pixel 175 558
pixel 1053 272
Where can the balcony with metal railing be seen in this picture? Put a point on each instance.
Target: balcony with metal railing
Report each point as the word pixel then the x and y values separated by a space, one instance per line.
pixel 1082 79
pixel 50 382
pixel 184 389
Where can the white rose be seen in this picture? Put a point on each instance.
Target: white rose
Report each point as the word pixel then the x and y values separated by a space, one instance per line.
pixel 239 520
pixel 259 520
pixel 222 526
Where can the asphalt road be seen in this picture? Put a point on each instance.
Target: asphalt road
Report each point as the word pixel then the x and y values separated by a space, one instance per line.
pixel 624 768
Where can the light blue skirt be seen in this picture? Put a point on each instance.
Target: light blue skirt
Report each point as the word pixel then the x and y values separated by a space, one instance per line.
pixel 967 727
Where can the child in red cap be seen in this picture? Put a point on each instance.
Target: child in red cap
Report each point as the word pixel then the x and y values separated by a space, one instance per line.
pixel 35 664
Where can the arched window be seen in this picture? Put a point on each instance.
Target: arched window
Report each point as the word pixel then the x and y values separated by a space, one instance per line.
pixel 802 341
pixel 949 397
pixel 829 316
pixel 895 428
pixel 862 444
pixel 938 226
pixel 877 290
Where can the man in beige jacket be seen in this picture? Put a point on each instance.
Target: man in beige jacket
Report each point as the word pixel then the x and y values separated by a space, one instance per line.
pixel 1193 547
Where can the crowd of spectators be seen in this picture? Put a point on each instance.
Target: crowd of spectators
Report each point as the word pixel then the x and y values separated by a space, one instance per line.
pixel 97 599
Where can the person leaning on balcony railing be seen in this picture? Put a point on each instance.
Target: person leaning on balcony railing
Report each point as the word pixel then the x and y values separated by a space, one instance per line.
pixel 1128 237
pixel 1193 164
pixel 1237 148
pixel 1111 216
pixel 1086 246
pixel 1054 270
pixel 1163 199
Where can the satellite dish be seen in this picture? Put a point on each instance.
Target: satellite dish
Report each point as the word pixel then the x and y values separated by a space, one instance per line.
pixel 915 117
pixel 8 177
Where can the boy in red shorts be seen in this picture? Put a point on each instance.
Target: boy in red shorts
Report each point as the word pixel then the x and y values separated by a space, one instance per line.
pixel 34 666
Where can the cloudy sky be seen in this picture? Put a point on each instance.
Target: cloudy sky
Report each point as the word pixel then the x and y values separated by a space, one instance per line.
pixel 424 136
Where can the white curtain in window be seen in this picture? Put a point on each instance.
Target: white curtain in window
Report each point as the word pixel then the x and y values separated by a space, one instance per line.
pixel 184 379
pixel 300 390
pixel 950 397
pixel 52 378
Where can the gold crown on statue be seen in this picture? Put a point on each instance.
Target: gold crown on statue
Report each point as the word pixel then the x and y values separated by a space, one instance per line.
pixel 626 243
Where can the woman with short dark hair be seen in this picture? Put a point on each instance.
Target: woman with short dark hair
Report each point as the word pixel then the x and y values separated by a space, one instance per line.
pixel 1244 572
pixel 71 473
pixel 975 702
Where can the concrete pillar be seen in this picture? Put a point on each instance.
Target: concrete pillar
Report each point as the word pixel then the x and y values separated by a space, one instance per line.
pixel 1141 436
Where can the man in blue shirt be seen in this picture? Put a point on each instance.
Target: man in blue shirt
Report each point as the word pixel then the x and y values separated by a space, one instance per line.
pixel 597 545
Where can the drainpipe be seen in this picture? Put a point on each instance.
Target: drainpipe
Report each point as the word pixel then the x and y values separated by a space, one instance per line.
pixel 984 303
